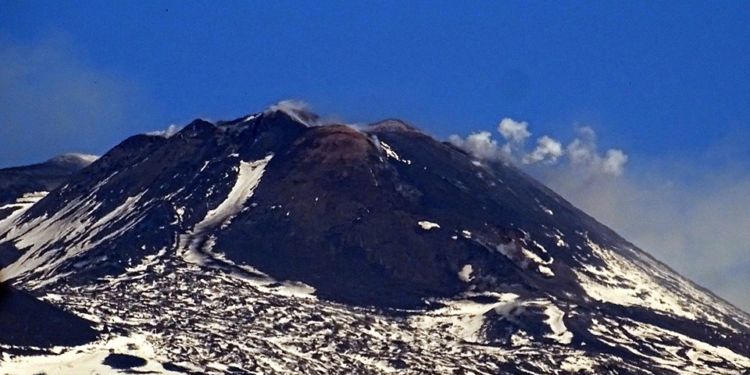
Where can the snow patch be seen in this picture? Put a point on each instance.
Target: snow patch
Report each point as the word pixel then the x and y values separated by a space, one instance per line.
pixel 521 338
pixel 248 178
pixel 556 324
pixel 465 273
pixel 197 245
pixel 20 205
pixel 31 198
pixel 558 236
pixel 544 270
pixel 87 359
pixel 642 282
pixel 75 158
pixel 526 258
pixel 392 154
pixel 464 319
pixel 45 238
pixel 642 336
pixel 427 225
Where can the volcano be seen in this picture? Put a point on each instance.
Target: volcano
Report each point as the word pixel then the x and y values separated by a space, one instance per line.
pixel 276 244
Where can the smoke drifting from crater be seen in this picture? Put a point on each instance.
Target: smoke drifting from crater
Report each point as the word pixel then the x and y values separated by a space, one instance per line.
pixel 580 154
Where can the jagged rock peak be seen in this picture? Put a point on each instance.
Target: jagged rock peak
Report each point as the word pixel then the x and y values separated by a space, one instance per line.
pixel 299 112
pixel 284 112
pixel 197 128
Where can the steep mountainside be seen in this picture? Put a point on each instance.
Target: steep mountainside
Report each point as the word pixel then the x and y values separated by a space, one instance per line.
pixel 267 245
pixel 37 178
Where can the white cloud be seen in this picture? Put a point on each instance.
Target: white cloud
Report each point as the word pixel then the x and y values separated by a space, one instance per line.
pixel 547 151
pixel 580 154
pixel 614 162
pixel 513 131
pixel 480 145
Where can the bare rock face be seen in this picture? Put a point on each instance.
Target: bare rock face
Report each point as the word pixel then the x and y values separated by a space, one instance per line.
pixel 272 244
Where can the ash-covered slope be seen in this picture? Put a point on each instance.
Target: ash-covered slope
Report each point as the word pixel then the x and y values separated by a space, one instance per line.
pixel 21 187
pixel 266 245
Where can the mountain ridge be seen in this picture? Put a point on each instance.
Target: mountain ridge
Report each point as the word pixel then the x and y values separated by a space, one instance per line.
pixel 381 225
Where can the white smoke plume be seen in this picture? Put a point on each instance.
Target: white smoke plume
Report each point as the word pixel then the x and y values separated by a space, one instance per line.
pixel 580 154
pixel 513 131
pixel 168 132
pixel 300 111
pixel 481 145
pixel 515 134
pixel 290 106
pixel 547 151
pixel 614 162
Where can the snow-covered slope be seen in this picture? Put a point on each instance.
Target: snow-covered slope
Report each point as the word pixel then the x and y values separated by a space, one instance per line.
pixel 266 245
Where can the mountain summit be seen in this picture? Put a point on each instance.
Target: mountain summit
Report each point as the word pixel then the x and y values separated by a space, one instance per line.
pixel 274 244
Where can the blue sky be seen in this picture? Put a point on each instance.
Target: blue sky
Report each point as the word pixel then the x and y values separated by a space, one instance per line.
pixel 664 79
pixel 666 82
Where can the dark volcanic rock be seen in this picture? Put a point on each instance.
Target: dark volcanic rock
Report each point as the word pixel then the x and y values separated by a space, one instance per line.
pixel 124 361
pixel 27 321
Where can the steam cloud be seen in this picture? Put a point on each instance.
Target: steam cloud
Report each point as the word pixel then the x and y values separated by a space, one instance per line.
pixel 481 145
pixel 580 154
pixel 513 131
pixel 547 150
pixel 168 132
pixel 290 106
pixel 300 111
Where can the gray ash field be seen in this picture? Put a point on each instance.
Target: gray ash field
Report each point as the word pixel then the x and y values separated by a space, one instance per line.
pixel 273 245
